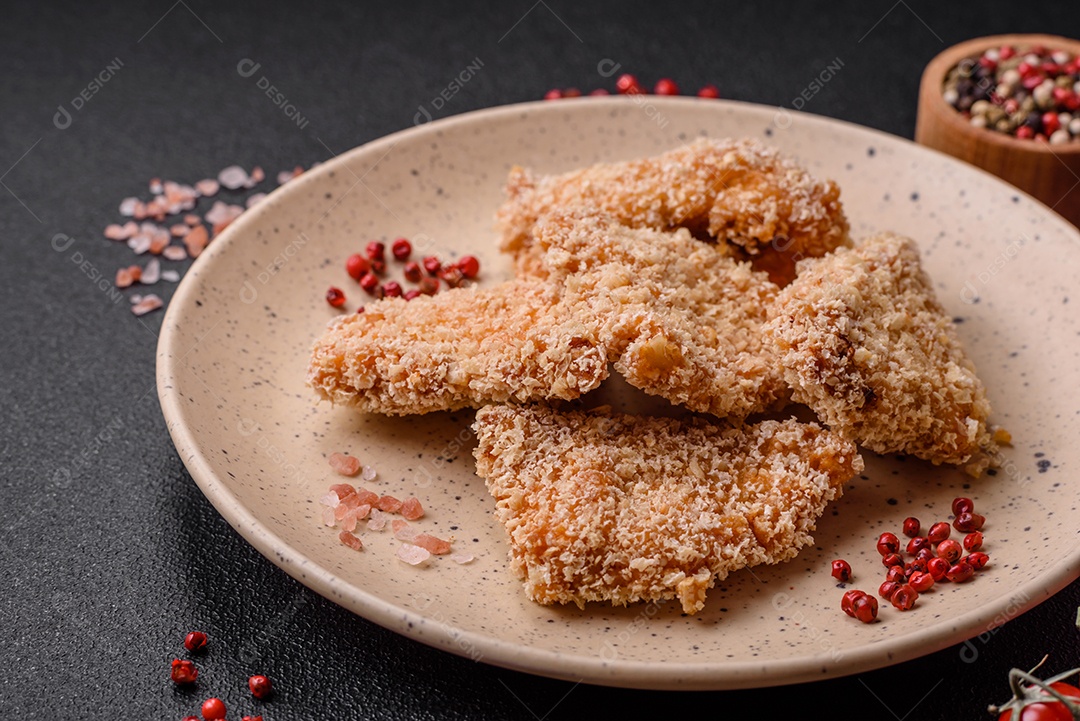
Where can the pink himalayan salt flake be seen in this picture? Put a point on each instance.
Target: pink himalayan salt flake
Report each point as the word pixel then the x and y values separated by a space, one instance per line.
pixel 140 243
pixel 348 521
pixel 233 177
pixel 330 500
pixel 207 188
pixel 412 555
pixel 388 504
pixel 462 558
pixel 436 546
pixel 116 232
pixel 136 298
pixel 155 186
pixel 128 207
pixel 343 490
pixel 286 175
pixel 196 240
pixel 257 175
pixel 362 511
pixel 149 303
pixel 363 495
pixel 179 230
pixel 377 522
pixel 171 276
pixel 411 509
pixel 403 531
pixel 341 510
pixel 369 473
pixel 255 199
pixel 124 278
pixel 174 252
pixel 158 245
pixel 131 228
pixel 344 465
pixel 328 517
pixel 192 220
pixel 151 273
pixel 350 540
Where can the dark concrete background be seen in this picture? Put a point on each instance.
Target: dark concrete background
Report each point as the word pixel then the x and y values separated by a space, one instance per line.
pixel 108 550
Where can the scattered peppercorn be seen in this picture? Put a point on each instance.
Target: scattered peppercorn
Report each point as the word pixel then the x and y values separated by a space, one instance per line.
pixel 183 672
pixel 260 686
pixel 195 641
pixel 335 297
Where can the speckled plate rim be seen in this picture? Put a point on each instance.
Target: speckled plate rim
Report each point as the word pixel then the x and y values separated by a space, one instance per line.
pixel 574 667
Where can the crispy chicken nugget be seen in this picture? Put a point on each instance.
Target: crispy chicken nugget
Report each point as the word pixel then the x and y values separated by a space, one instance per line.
pixel 680 319
pixel 763 205
pixel 865 343
pixel 623 508
pixel 466 347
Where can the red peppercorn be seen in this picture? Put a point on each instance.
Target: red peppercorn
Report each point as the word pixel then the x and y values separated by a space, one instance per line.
pixel 1026 69
pixel 335 297
pixel 413 274
pixel 961 505
pixel 960 572
pixel 571 93
pixel 666 86
pixel 190 718
pixel 195 641
pixel 968 522
pixel 553 94
pixel 950 551
pixel 1025 132
pixel 911 527
pixel 1011 106
pixel 469 266
pixel 213 709
pixel 988 63
pixel 183 671
pixel 885 590
pixel 356 265
pixel 452 275
pixel 915 566
pixel 904 597
pixel 432 265
pixel 410 294
pixel 599 92
pixel 1050 68
pixel 896 574
pixel 847 603
pixel 938 532
pixel 977 560
pixel 375 250
pixel 1006 52
pixel 709 91
pixel 369 283
pixel 973 541
pixel 429 286
pixel 925 554
pixel 392 289
pixel 841 570
pixel 401 249
pixel 628 85
pixel 378 267
pixel 893 559
pixel 1050 123
pixel 917 544
pixel 251 718
pixel 1032 81
pixel 888 543
pixel 937 567
pixel 260 686
pixel 921 581
pixel 865 607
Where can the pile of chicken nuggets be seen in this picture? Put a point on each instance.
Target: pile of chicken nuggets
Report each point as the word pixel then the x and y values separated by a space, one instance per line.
pixel 719 276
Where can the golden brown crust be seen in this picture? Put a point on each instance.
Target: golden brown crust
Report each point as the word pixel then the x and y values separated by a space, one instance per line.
pixel 864 342
pixel 679 319
pixel 623 509
pixel 759 203
pixel 462 348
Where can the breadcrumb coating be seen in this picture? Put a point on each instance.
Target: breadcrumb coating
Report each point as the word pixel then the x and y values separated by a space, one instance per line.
pixel 864 342
pixel 679 319
pixel 462 348
pixel 623 508
pixel 763 205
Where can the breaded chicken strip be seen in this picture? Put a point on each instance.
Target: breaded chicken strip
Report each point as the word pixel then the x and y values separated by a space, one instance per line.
pixel 623 508
pixel 762 205
pixel 462 348
pixel 679 319
pixel 864 342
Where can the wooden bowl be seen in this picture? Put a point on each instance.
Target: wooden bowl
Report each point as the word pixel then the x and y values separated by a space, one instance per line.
pixel 1050 173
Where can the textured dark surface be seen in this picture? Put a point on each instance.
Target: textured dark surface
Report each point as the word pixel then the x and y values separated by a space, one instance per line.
pixel 109 552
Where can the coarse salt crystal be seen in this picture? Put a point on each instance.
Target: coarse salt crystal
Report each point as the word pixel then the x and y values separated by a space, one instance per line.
pixel 179 230
pixel 257 174
pixel 388 504
pixel 348 521
pixel 155 186
pixel 148 303
pixel 233 177
pixel 255 199
pixel 411 509
pixel 116 232
pixel 140 243
pixel 462 558
pixel 369 473
pixel 328 517
pixel 151 273
pixel 365 496
pixel 403 531
pixel 344 465
pixel 350 540
pixel 206 188
pixel 135 299
pixel 435 545
pixel 412 555
pixel 174 252
pixel 195 241
pixel 128 206
pixel 377 522
pixel 124 277
pixel 330 500
pixel 170 275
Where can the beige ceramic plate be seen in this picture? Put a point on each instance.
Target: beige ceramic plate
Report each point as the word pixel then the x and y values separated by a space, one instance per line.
pixel 231 380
